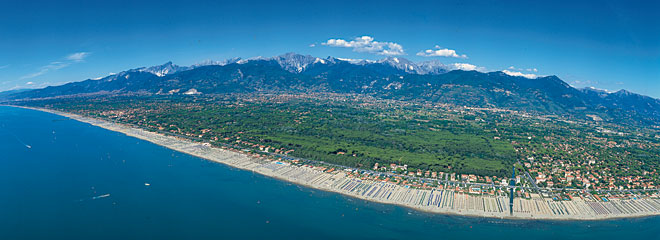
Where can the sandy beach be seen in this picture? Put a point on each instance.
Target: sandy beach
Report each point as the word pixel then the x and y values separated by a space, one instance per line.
pixel 442 201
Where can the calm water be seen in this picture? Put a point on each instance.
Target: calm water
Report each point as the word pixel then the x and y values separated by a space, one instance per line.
pixel 47 192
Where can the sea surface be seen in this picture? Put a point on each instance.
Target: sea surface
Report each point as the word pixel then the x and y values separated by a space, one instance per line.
pixel 63 179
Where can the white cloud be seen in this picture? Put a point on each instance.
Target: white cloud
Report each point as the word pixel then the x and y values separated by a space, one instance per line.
pixel 463 66
pixel 367 44
pixel 526 69
pixel 4 66
pixel 519 74
pixel 43 70
pixel 69 59
pixel 601 89
pixel 583 83
pixel 29 83
pixel 312 45
pixel 438 52
pixel 77 57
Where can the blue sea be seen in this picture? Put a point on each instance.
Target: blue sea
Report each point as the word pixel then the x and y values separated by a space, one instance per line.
pixel 63 179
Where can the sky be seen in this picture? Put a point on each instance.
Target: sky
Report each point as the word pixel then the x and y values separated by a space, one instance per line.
pixel 606 44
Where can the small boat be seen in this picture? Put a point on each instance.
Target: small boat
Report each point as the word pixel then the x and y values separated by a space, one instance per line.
pixel 147 184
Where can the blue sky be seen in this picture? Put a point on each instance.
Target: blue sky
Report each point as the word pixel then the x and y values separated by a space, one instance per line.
pixel 605 44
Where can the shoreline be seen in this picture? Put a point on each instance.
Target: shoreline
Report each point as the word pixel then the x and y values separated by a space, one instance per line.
pixel 438 201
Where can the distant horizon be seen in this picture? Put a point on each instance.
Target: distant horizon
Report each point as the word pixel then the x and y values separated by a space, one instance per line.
pixel 610 45
pixel 210 62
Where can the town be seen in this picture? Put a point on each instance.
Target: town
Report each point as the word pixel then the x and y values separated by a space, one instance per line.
pixel 556 158
pixel 455 194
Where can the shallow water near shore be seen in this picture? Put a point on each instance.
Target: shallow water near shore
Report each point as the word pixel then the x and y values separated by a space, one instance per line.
pixel 63 179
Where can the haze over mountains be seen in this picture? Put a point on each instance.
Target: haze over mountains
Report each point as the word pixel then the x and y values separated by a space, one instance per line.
pixel 392 78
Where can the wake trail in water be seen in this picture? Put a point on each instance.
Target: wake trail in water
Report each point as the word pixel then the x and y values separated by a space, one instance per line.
pixel 18 139
pixel 95 197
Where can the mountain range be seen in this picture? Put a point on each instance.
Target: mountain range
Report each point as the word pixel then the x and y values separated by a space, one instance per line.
pixel 391 78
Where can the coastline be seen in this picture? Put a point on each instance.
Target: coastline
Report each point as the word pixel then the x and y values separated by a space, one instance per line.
pixel 433 201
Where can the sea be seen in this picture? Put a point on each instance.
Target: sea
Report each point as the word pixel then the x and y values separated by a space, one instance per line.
pixel 64 179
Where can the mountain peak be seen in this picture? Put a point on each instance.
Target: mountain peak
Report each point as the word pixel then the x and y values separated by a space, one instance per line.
pixel 164 69
pixel 397 60
pixel 294 62
pixel 400 63
pixel 623 92
pixel 432 67
pixel 628 94
pixel 427 81
pixel 297 63
pixel 218 63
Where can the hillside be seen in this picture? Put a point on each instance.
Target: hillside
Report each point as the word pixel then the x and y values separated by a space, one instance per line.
pixel 390 78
